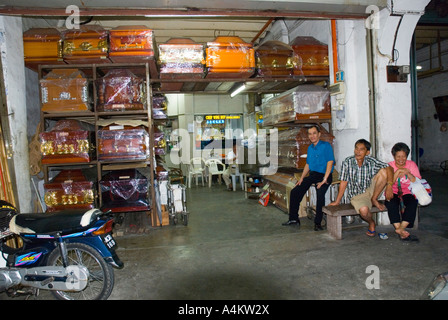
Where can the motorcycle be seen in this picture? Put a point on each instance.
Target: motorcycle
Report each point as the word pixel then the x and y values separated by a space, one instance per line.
pixel 71 253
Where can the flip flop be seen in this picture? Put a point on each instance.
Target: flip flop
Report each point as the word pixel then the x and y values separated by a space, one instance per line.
pixel 370 233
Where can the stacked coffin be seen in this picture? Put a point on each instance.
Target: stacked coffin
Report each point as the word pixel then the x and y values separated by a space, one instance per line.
pixel 69 141
pixel 65 90
pixel 88 44
pixel 229 57
pixel 124 191
pixel 311 57
pixel 42 46
pixel 120 90
pixel 123 142
pixel 70 189
pixel 300 103
pixel 129 44
pixel 159 106
pixel 293 146
pixel 274 59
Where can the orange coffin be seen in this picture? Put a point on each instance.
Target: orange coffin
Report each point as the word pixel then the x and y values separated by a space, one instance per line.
pixel 64 90
pixel 131 44
pixel 312 57
pixel 229 57
pixel 88 44
pixel 69 190
pixel 42 46
pixel 67 142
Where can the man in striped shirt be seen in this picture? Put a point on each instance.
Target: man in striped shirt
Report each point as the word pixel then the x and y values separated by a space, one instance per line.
pixel 365 178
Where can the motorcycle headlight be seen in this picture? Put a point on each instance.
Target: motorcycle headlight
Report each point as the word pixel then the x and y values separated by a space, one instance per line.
pixel 438 289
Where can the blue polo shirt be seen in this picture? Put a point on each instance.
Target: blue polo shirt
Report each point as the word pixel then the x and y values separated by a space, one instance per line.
pixel 318 155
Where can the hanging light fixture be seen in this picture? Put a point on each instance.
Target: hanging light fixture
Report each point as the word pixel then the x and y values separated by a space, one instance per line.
pixel 238 90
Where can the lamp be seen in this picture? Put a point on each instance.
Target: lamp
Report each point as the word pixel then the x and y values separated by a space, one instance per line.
pixel 237 90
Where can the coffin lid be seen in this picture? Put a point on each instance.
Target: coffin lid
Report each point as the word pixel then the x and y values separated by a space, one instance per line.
pixel 307 41
pixel 226 41
pixel 64 74
pixel 131 28
pixel 85 31
pixel 180 42
pixel 67 176
pixel 42 34
pixel 274 46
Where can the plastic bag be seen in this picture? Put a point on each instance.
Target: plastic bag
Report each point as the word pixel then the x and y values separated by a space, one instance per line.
pixel 422 191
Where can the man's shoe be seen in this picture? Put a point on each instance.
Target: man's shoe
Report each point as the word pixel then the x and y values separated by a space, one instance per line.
pixel 290 223
pixel 318 227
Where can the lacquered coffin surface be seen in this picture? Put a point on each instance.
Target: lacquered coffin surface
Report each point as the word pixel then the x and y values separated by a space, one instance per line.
pixel 42 46
pixel 120 90
pixel 65 90
pixel 70 189
pixel 69 141
pixel 159 106
pixel 229 57
pixel 131 44
pixel 181 58
pixel 124 191
pixel 274 58
pixel 88 44
pixel 117 142
pixel 302 102
pixel 312 57
pixel 293 146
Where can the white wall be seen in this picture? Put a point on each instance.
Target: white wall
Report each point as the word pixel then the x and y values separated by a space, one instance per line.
pixel 14 76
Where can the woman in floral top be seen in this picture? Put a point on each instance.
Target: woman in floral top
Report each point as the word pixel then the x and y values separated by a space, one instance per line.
pixel 402 208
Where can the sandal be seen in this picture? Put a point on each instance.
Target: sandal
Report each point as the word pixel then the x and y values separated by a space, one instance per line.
pixel 370 233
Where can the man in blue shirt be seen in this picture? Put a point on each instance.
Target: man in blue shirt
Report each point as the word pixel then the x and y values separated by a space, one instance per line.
pixel 319 165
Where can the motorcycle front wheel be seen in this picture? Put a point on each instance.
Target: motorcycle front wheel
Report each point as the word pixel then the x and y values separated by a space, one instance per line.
pixel 101 274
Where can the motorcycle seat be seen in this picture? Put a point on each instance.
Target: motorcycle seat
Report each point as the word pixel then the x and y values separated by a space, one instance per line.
pixel 52 222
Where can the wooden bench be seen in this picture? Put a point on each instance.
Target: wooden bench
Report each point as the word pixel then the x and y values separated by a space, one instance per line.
pixel 335 214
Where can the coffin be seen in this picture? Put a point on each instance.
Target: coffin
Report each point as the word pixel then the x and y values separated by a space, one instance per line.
pixel 88 44
pixel 301 103
pixel 159 142
pixel 229 57
pixel 124 191
pixel 279 188
pixel 42 46
pixel 293 146
pixel 118 142
pixel 159 106
pixel 69 190
pixel 274 58
pixel 312 57
pixel 69 141
pixel 131 44
pixel 120 90
pixel 181 58
pixel 65 90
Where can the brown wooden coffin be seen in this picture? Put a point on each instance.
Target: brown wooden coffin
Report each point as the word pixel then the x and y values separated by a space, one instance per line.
pixel 69 190
pixel 42 46
pixel 311 57
pixel 293 146
pixel 120 90
pixel 118 142
pixel 129 44
pixel 274 58
pixel 124 191
pixel 229 57
pixel 88 44
pixel 68 141
pixel 301 103
pixel 159 106
pixel 65 90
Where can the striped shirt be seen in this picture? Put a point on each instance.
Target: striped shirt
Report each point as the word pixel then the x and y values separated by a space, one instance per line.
pixel 359 178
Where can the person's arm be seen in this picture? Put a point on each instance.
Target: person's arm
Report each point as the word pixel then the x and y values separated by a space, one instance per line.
pixel 327 174
pixel 342 187
pixel 389 193
pixel 306 169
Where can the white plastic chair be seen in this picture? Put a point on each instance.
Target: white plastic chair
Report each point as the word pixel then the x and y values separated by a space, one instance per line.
pixel 213 166
pixel 196 168
pixel 234 173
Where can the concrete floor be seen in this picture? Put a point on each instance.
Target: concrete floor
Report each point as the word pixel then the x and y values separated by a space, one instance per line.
pixel 234 248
